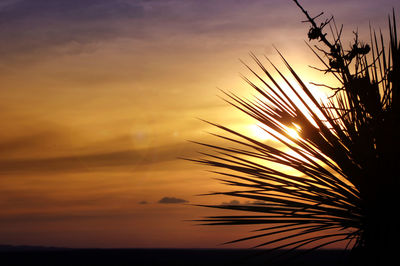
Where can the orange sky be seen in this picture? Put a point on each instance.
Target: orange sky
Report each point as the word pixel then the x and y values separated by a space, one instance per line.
pixel 98 99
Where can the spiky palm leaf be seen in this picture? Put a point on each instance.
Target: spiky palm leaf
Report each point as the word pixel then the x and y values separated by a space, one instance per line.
pixel 345 159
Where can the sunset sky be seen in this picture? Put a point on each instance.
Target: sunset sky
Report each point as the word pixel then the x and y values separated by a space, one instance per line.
pixel 99 98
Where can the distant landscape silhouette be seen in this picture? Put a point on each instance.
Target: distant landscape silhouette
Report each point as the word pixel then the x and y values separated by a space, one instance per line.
pixel 343 160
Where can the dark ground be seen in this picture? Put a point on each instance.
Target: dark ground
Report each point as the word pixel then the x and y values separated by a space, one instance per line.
pixel 10 256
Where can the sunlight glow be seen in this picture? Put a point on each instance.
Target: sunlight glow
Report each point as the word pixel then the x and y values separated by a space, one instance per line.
pixel 258 133
pixel 293 133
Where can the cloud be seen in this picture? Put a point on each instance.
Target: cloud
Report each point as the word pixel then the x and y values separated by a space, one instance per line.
pixel 62 216
pixel 71 9
pixel 236 202
pixel 24 143
pixel 47 148
pixel 255 202
pixel 232 202
pixel 171 200
pixel 18 199
pixel 33 27
pixel 44 27
pixel 87 162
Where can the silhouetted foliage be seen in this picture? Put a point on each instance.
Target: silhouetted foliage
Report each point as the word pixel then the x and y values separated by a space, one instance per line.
pixel 344 178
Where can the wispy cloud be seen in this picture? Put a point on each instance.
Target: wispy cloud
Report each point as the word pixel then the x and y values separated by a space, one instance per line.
pixel 43 26
pixel 88 162
pixel 34 29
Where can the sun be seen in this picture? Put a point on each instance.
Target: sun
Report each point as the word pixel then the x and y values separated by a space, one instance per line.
pixel 293 132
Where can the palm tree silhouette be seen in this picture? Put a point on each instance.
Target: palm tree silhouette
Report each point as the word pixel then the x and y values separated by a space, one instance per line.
pixel 344 160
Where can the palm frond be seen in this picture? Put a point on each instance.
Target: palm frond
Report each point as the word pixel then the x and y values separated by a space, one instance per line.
pixel 317 195
pixel 326 184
